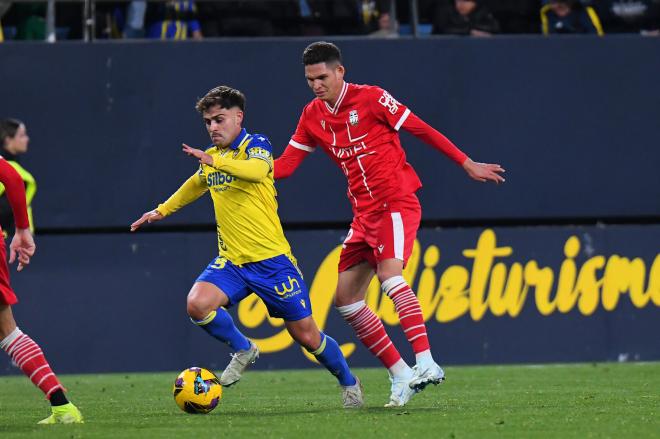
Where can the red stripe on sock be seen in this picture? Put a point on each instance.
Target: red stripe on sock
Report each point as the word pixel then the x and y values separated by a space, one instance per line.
pixel 29 357
pixel 410 314
pixel 371 332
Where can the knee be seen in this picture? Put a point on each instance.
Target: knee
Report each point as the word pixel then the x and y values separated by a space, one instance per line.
pixel 386 274
pixel 388 269
pixel 343 298
pixel 308 338
pixel 7 322
pixel 197 309
pixel 310 342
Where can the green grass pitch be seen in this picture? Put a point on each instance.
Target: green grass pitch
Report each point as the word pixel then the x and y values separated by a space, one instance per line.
pixel 562 401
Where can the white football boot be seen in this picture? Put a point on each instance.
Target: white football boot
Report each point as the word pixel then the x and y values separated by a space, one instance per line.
pixel 239 362
pixel 401 392
pixel 425 375
pixel 353 396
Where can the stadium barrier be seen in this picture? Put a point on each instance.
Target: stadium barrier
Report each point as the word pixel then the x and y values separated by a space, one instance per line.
pixel 572 119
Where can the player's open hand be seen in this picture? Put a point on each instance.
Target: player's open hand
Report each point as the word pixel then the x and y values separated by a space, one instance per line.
pixel 484 171
pixel 148 217
pixel 22 247
pixel 203 157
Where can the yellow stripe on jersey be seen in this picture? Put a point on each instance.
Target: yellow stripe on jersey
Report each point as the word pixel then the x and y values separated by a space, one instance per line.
pixel 249 229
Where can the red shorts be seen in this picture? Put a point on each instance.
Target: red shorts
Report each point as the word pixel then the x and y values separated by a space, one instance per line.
pixel 382 234
pixel 7 296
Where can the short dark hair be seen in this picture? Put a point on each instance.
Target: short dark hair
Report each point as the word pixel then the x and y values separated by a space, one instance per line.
pixel 321 51
pixel 223 96
pixel 8 128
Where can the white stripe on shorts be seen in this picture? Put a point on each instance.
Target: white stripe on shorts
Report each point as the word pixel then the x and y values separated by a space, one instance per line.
pixel 397 231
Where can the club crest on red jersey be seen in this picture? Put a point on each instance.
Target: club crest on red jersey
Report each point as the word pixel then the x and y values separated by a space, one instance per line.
pixel 353 117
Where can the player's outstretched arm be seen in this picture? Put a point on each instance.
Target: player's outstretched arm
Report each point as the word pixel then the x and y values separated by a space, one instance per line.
pixel 148 217
pixel 477 171
pixel 190 190
pixel 22 246
pixel 288 162
pixel 483 171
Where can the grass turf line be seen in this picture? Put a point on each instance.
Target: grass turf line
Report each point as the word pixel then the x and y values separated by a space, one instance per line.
pixel 581 401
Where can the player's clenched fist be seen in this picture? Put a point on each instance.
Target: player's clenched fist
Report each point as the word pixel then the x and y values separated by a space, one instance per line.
pixel 148 217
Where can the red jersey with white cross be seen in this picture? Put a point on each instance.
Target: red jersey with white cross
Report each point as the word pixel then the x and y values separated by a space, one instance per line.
pixel 360 133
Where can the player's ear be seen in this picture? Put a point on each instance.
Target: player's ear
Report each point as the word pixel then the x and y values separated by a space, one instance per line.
pixel 239 117
pixel 341 70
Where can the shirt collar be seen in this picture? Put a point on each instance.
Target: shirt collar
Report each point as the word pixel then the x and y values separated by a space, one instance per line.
pixel 239 139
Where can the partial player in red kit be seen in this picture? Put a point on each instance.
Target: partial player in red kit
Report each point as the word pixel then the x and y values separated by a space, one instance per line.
pixel 24 352
pixel 358 126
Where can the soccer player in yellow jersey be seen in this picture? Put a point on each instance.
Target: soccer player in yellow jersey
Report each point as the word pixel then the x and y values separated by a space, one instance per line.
pixel 254 256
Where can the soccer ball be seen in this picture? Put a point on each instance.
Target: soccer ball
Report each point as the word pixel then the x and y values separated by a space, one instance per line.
pixel 197 390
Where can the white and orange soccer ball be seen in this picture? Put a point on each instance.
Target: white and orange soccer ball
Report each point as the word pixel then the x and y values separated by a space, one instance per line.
pixel 197 390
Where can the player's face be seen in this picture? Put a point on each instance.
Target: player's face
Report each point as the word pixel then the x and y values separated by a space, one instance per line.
pixel 19 143
pixel 223 124
pixel 325 80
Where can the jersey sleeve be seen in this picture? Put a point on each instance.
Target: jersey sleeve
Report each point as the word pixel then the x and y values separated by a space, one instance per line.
pixel 301 139
pixel 260 148
pixel 15 194
pixel 387 109
pixel 190 190
pixel 288 162
pixel 429 135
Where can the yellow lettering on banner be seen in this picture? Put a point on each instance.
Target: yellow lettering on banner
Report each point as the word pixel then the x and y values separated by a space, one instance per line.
pixel 453 294
pixel 515 292
pixel 566 294
pixel 588 285
pixel 621 275
pixel 493 285
pixel 483 256
pixel 496 301
pixel 541 279
pixel 654 282
pixel 428 299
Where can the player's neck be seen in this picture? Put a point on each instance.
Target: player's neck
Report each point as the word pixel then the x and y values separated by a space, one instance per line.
pixel 333 101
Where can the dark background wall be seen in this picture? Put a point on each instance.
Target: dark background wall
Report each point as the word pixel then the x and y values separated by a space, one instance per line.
pixel 575 121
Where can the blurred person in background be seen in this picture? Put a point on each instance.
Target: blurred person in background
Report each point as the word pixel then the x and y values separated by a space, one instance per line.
pixel 464 17
pixel 30 20
pixel 173 20
pixel 516 16
pixel 239 18
pixel 135 12
pixel 15 140
pixel 630 16
pixel 4 7
pixel 569 17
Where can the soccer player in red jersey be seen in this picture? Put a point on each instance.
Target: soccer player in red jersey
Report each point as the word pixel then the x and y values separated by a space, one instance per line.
pixel 24 352
pixel 358 127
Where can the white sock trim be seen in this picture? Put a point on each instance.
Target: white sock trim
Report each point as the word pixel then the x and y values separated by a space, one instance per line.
pixel 400 369
pixel 347 310
pixel 390 283
pixel 4 344
pixel 424 357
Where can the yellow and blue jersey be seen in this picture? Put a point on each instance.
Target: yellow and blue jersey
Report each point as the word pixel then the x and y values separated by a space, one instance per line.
pixel 249 229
